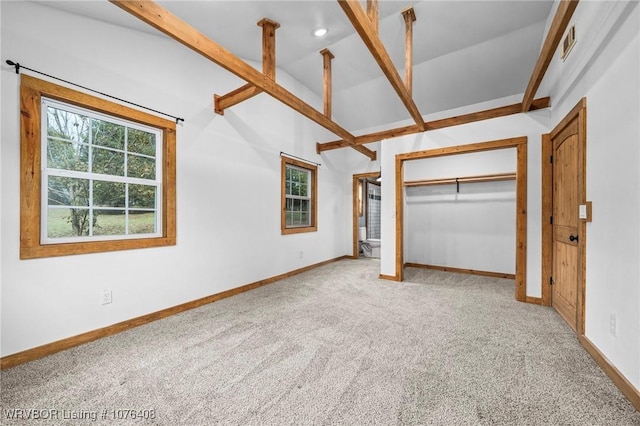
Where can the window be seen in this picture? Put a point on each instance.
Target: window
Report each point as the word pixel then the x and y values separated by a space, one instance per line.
pixel 101 176
pixel 96 176
pixel 298 197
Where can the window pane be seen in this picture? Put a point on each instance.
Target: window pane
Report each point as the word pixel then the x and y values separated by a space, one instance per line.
pixel 108 134
pixel 64 191
pixel 295 218
pixel 304 216
pixel 67 222
pixel 141 167
pixel 142 222
pixel 67 125
pixel 67 155
pixel 108 162
pixel 108 194
pixel 142 196
pixel 141 142
pixel 108 222
pixel 289 218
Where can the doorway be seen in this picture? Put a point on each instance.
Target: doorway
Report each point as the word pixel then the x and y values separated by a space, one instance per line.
pixel 564 204
pixel 366 213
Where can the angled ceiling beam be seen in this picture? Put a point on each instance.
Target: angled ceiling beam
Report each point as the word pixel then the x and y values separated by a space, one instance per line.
pixel 241 94
pixel 436 124
pixel 372 13
pixel 327 56
pixel 174 27
pixel 366 151
pixel 409 18
pixel 556 30
pixel 169 24
pixel 222 102
pixel 362 24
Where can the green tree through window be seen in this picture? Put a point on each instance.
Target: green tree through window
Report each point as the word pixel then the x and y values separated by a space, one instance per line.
pixel 101 176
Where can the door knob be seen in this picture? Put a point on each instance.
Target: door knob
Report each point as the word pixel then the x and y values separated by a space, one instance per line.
pixel 573 238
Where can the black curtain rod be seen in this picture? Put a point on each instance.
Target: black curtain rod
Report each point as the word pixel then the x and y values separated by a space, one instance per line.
pixel 298 158
pixel 18 66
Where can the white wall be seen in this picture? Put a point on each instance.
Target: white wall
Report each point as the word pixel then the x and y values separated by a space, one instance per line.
pixel 604 67
pixel 228 177
pixel 474 228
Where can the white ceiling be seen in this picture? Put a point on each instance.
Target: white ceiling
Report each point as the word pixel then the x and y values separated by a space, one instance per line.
pixel 465 52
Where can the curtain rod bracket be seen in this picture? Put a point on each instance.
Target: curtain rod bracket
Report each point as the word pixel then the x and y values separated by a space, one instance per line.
pixel 14 64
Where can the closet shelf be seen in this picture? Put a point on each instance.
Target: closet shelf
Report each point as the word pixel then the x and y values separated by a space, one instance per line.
pixel 465 179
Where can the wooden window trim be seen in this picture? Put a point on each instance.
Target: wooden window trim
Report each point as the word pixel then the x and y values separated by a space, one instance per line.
pixel 283 199
pixel 31 92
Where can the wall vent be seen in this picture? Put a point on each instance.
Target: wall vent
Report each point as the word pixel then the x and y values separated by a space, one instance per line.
pixel 568 42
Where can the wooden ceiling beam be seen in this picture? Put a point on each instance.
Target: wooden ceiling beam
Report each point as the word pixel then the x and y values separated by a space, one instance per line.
pixel 222 102
pixel 409 18
pixel 436 124
pixel 169 24
pixel 373 14
pixel 362 24
pixel 487 114
pixel 269 28
pixel 241 94
pixel 327 56
pixel 556 30
pixel 366 151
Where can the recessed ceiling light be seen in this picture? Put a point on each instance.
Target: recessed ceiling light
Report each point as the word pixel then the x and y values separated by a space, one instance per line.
pixel 320 32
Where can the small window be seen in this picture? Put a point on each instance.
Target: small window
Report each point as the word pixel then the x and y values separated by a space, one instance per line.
pixel 298 197
pixel 96 176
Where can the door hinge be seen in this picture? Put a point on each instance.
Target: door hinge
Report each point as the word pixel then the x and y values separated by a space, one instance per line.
pixel 551 159
pixel 551 220
pixel 550 280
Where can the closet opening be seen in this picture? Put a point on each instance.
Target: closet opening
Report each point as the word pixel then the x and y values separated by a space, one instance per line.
pixel 459 186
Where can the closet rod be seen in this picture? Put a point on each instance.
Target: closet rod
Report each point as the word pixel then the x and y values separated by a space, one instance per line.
pixel 479 178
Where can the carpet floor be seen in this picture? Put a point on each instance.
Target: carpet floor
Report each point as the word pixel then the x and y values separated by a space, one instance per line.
pixel 334 345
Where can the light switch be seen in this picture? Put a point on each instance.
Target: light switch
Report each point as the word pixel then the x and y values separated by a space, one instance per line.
pixel 582 213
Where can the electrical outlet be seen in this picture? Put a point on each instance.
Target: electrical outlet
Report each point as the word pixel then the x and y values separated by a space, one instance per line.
pixel 106 297
pixel 612 324
pixel 301 254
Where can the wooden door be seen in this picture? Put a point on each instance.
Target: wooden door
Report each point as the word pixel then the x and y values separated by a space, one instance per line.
pixel 566 196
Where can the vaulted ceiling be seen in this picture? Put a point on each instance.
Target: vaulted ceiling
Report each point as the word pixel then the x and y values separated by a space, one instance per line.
pixel 464 52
